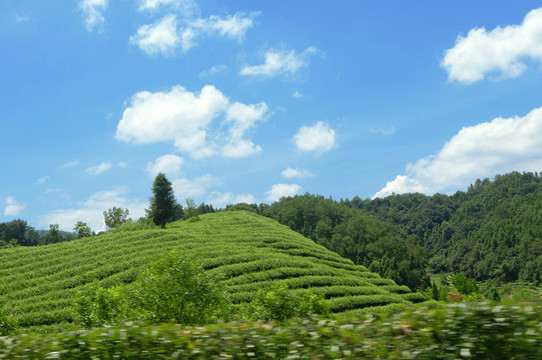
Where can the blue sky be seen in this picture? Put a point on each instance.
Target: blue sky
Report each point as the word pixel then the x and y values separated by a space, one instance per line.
pixel 248 101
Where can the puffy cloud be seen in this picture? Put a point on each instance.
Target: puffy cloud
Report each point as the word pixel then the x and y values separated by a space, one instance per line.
pixel 279 191
pixel 169 164
pixel 279 62
pixel 318 138
pixel 186 119
pixel 13 208
pixel 93 12
pixel 220 200
pixel 167 36
pixel 190 189
pixel 99 169
pixel 290 173
pixel 160 37
pixel 91 210
pixel 484 150
pixel 499 51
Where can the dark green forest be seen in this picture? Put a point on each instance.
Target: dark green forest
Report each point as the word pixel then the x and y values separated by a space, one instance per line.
pixel 492 232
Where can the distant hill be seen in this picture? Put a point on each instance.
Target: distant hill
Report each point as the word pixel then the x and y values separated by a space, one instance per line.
pixel 251 252
pixel 493 231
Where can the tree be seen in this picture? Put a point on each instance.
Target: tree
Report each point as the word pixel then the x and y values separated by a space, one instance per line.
pixel 54 235
pixel 115 216
pixel 82 229
pixel 191 210
pixel 163 204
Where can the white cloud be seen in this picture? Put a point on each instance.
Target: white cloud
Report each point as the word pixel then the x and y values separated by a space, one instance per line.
pixel 290 173
pixel 93 12
pixel 70 164
pixel 91 210
pixel 213 70
pixel 279 62
pixel 169 164
pixel 13 208
pixel 167 35
pixel 386 131
pixel 20 18
pixel 42 179
pixel 123 164
pixel 318 138
pixel 190 189
pixel 160 37
pixel 233 27
pixel 484 150
pixel 279 191
pixel 187 119
pixel 99 169
pixel 184 7
pixel 297 95
pixel 220 200
pixel 500 51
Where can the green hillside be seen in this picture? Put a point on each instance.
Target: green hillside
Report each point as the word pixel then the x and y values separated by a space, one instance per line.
pixel 250 252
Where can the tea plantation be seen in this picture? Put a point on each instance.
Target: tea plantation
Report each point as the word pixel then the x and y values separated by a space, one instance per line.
pixel 249 252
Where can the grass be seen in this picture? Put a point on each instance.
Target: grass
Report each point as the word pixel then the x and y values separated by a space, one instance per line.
pixel 247 251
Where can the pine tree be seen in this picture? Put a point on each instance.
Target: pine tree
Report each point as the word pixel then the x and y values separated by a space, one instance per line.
pixel 163 202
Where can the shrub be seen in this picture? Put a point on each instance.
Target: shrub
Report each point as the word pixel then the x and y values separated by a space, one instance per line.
pixel 97 306
pixel 7 325
pixel 280 303
pixel 178 289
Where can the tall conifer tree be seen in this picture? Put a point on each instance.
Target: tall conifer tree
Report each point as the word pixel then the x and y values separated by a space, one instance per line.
pixel 163 201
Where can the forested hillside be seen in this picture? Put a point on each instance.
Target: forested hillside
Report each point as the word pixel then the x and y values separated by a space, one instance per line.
pixel 493 231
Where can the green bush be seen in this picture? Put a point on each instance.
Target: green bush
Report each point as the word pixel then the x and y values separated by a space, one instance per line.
pixel 97 306
pixel 7 325
pixel 457 331
pixel 280 303
pixel 177 289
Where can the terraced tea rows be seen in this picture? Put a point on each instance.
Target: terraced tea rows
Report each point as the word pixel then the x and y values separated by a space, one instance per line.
pixel 250 252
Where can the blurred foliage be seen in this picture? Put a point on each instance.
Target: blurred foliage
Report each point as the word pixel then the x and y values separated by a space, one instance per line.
pixel 473 331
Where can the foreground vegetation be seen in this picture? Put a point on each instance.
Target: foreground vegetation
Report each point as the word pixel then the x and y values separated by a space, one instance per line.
pixel 245 251
pixel 470 331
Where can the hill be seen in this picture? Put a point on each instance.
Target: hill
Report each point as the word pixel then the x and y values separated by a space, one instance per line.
pixel 250 252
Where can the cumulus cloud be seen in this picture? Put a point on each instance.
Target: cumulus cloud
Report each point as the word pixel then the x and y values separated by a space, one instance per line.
pixel 187 119
pixel 160 37
pixel 99 169
pixel 500 51
pixel 190 189
pixel 318 138
pixel 170 34
pixel 290 173
pixel 220 200
pixel 280 62
pixel 93 12
pixel 91 210
pixel 13 208
pixel 484 150
pixel 168 164
pixel 279 191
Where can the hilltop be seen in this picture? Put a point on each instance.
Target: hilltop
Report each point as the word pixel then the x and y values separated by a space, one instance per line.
pixel 250 252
